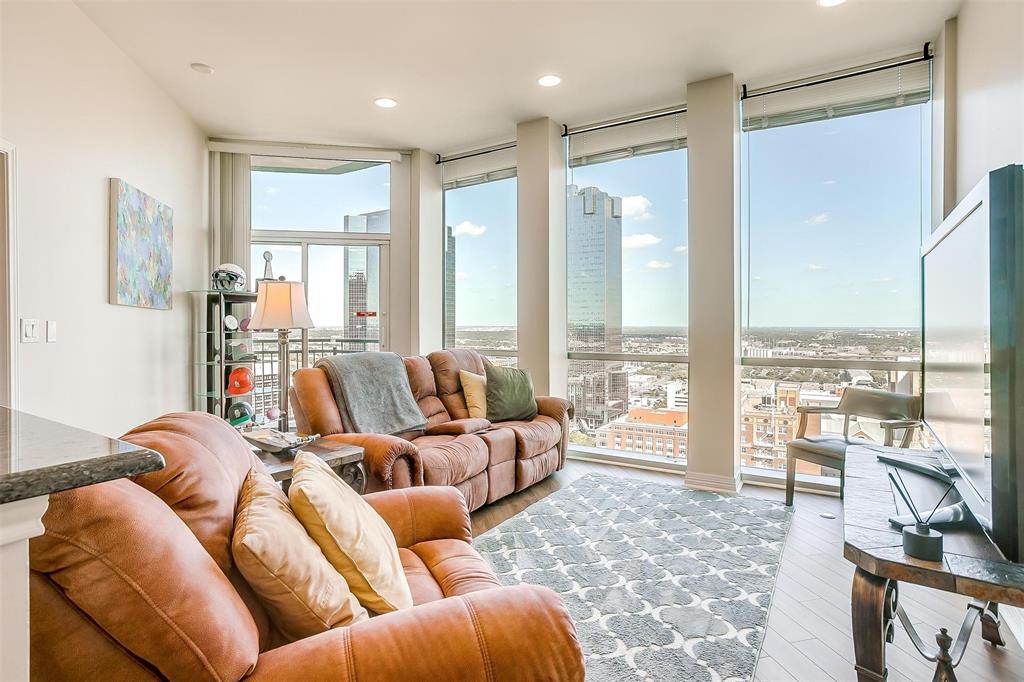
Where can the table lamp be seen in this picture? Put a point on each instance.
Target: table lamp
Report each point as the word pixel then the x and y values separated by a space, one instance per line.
pixel 281 305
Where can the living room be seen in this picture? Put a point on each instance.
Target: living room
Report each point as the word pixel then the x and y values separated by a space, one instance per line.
pixel 584 324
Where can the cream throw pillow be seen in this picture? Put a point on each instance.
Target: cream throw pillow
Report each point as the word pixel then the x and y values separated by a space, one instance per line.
pixel 353 537
pixel 474 387
pixel 284 567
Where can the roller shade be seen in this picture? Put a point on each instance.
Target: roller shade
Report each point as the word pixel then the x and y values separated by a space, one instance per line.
pixel 886 88
pixel 619 141
pixel 496 165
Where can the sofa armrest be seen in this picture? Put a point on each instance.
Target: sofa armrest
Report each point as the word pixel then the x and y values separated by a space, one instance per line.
pixel 433 512
pixel 558 409
pixel 561 411
pixel 501 634
pixel 390 462
pixel 458 427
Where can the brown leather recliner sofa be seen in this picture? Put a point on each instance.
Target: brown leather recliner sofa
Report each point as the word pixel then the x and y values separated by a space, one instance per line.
pixel 485 461
pixel 134 580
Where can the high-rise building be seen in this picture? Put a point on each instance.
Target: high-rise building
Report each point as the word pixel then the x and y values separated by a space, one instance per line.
pixel 599 390
pixel 449 287
pixel 361 275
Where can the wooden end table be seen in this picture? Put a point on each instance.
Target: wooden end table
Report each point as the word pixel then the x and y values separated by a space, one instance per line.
pixel 345 460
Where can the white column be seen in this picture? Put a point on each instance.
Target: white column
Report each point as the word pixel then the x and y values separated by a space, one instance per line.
pixel 426 212
pixel 19 521
pixel 540 288
pixel 712 450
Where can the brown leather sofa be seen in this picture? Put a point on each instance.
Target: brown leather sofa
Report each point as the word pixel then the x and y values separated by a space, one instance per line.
pixel 134 580
pixel 485 461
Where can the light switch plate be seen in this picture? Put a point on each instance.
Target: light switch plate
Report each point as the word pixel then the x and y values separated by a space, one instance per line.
pixel 51 331
pixel 29 330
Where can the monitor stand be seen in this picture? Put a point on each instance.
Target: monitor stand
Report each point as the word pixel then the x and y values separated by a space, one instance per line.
pixel 927 465
pixel 950 515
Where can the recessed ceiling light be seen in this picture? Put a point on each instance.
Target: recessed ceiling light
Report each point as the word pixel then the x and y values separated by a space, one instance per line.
pixel 385 103
pixel 830 3
pixel 199 67
pixel 549 81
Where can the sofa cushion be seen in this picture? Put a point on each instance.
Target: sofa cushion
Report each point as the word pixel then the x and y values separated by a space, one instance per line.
pixel 446 365
pixel 445 568
pixel 421 380
pixel 509 394
pixel 353 537
pixel 448 460
pixel 534 437
pixel 131 564
pixel 474 388
pixel 285 566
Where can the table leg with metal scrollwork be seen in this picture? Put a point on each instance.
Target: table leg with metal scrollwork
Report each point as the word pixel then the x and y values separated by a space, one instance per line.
pixel 874 604
pixel 354 474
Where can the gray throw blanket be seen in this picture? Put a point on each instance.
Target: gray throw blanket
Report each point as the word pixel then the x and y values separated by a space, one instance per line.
pixel 373 393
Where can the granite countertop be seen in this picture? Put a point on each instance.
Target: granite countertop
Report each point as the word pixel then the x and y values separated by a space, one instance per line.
pixel 39 457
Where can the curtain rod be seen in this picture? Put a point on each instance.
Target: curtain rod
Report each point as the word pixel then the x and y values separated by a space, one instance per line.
pixel 924 56
pixel 566 131
pixel 477 152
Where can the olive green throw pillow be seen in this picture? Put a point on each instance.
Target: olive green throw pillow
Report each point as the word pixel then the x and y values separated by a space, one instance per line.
pixel 509 394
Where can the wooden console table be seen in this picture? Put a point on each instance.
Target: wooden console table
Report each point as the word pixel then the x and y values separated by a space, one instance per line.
pixel 972 566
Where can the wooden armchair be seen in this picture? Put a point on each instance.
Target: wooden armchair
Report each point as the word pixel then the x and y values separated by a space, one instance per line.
pixel 895 412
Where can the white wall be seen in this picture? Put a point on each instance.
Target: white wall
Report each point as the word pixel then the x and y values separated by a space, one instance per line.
pixel 81 112
pixel 990 89
pixel 427 294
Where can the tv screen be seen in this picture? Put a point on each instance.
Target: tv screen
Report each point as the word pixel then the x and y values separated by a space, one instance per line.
pixel 973 268
pixel 956 348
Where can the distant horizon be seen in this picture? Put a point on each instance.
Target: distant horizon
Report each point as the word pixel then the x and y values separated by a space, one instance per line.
pixel 664 326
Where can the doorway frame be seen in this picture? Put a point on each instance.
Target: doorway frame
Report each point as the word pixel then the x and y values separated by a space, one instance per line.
pixel 8 283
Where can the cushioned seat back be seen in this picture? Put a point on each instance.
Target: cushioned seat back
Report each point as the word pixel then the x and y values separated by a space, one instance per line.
pixel 312 402
pixel 421 379
pixel 874 404
pixel 446 365
pixel 206 463
pixel 120 556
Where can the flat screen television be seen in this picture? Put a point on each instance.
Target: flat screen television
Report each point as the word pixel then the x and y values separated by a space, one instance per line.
pixel 973 310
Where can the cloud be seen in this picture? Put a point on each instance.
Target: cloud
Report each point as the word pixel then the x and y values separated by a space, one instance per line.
pixel 639 241
pixel 271 190
pixel 756 278
pixel 816 268
pixel 818 219
pixel 681 249
pixel 637 207
pixel 658 264
pixel 461 275
pixel 883 280
pixel 466 228
pixel 829 182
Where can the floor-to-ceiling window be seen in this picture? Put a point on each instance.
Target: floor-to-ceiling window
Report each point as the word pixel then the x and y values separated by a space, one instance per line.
pixel 835 199
pixel 480 254
pixel 325 223
pixel 626 266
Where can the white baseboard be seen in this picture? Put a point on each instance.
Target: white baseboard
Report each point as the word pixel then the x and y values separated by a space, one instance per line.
pixel 713 482
pixel 1013 619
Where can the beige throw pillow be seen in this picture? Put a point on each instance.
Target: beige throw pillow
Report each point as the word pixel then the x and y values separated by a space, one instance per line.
pixel 353 537
pixel 474 387
pixel 286 569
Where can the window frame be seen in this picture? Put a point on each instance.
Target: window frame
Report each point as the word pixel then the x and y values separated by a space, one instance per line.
pixel 494 176
pixel 610 454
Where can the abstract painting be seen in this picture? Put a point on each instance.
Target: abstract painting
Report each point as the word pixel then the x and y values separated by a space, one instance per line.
pixel 141 229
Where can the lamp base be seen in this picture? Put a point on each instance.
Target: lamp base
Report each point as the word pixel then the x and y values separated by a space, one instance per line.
pixel 283 377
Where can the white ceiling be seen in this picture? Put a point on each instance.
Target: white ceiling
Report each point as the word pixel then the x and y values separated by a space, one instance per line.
pixel 465 72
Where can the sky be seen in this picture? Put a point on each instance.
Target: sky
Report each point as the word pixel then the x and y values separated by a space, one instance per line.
pixel 832 223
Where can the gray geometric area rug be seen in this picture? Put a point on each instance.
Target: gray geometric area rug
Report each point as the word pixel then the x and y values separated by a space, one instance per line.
pixel 663 582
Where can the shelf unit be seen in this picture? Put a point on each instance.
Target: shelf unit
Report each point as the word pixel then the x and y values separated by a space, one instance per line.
pixel 211 365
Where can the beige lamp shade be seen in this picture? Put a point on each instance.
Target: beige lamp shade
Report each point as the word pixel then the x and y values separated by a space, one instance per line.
pixel 280 305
